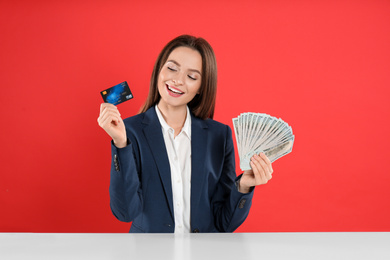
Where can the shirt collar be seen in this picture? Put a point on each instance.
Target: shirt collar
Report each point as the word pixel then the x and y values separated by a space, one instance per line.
pixel 187 124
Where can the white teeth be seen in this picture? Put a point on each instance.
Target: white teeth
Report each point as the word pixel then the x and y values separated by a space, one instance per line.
pixel 174 90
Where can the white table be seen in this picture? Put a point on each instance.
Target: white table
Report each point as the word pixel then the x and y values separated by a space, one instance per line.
pixel 237 246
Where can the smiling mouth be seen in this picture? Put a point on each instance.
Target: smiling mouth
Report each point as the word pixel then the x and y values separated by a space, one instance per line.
pixel 174 90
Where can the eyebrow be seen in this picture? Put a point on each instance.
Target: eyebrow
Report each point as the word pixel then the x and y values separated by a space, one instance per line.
pixel 178 64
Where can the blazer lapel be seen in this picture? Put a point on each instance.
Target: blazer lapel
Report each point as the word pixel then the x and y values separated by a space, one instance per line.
pixel 199 136
pixel 155 139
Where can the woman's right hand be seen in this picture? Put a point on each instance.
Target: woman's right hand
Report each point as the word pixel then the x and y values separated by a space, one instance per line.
pixel 110 120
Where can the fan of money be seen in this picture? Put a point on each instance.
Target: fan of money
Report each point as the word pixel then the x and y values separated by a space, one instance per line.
pixel 257 132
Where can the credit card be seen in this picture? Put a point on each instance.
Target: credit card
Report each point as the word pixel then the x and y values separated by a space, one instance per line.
pixel 117 94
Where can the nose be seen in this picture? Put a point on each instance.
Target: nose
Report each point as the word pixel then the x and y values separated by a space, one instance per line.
pixel 179 79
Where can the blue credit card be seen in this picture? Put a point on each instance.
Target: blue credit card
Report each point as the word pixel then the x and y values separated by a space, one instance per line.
pixel 117 94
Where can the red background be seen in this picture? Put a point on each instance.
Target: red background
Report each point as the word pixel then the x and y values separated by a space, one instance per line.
pixel 322 66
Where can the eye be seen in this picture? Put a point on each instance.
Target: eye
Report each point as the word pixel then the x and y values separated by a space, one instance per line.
pixel 193 78
pixel 171 68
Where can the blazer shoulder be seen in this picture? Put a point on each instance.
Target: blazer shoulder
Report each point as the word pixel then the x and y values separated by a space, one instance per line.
pixel 211 123
pixel 133 119
pixel 133 123
pixel 217 127
pixel 148 117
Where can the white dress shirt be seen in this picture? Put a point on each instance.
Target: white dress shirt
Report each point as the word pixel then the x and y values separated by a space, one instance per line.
pixel 179 155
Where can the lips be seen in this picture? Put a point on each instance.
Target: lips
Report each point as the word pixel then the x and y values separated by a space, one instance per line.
pixel 174 92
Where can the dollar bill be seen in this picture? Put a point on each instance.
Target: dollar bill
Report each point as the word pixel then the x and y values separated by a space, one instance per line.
pixel 259 132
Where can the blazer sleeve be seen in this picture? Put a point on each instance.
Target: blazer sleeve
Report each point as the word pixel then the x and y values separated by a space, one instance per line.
pixel 125 186
pixel 230 206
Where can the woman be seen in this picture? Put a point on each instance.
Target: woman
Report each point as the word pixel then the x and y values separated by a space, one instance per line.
pixel 173 167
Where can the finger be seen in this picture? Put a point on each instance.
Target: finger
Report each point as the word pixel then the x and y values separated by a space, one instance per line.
pixel 103 116
pixel 109 115
pixel 104 106
pixel 255 174
pixel 268 162
pixel 101 107
pixel 265 164
pixel 105 121
pixel 109 120
pixel 110 111
pixel 109 108
pixel 265 167
pixel 258 170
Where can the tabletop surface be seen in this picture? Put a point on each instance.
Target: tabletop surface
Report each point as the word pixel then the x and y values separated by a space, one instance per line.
pixel 355 245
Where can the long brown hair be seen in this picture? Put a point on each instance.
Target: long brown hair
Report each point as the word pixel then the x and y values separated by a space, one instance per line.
pixel 203 104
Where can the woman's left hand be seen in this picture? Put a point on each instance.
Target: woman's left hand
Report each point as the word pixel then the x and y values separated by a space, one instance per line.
pixel 260 173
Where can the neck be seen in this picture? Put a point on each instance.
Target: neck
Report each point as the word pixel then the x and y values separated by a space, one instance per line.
pixel 174 116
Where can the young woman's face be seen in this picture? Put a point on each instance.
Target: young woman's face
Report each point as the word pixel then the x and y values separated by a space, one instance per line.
pixel 180 77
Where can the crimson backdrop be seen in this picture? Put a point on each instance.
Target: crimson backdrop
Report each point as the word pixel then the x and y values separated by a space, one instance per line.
pixel 322 66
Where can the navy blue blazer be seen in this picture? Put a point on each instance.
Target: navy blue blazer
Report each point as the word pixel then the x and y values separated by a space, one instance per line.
pixel 140 185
